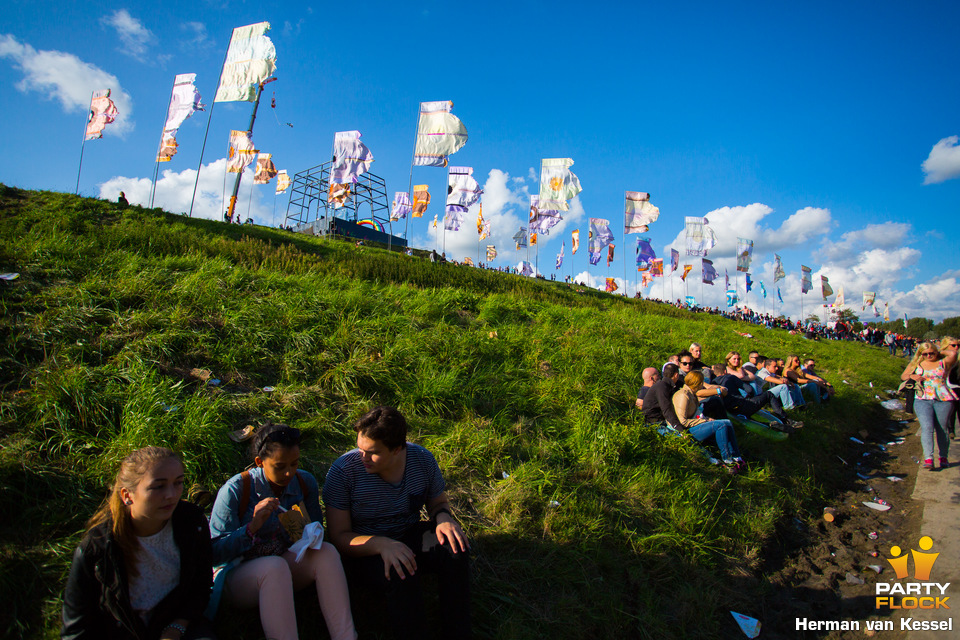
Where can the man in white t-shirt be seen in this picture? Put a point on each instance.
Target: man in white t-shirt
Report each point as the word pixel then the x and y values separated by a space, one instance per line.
pixel 789 393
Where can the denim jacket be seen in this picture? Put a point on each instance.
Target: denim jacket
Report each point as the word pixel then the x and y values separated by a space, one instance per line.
pixel 229 528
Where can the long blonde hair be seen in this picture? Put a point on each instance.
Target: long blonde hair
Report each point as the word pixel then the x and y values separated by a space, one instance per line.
pixel 113 510
pixel 917 357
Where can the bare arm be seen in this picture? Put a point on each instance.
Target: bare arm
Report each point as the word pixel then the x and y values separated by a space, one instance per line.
pixel 394 553
pixel 448 529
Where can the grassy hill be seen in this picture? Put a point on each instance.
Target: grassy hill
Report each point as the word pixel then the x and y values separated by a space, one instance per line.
pixel 585 523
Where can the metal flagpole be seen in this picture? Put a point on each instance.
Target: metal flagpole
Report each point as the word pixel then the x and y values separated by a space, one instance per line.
pixel 156 164
pixel 413 157
pixel 207 131
pixel 253 118
pixel 84 142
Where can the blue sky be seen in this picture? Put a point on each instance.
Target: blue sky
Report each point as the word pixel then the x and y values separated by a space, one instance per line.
pixel 825 132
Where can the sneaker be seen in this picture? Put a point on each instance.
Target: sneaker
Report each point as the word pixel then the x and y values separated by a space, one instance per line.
pixel 944 463
pixel 928 464
pixel 796 424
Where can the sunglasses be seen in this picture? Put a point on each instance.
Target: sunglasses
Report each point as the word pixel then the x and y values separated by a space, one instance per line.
pixel 929 353
pixel 686 364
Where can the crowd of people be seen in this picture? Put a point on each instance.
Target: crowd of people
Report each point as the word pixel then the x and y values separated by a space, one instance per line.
pixel 151 565
pixel 689 397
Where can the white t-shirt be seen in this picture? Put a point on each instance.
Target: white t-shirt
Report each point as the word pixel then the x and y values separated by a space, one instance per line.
pixel 158 562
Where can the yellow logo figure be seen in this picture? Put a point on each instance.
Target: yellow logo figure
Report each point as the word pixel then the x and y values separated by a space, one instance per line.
pixel 922 562
pixel 556 184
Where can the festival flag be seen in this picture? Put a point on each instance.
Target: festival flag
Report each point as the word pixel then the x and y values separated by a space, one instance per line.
pixel 749 283
pixel 709 273
pixel 452 219
pixel 520 237
pixel 266 170
pixel 251 58
pixel 779 297
pixel 491 252
pixel 574 241
pixel 526 269
pixel 480 223
pixel 674 260
pixel 700 236
pixel 439 134
pixel 646 279
pixel 638 213
pixel 744 254
pixel 886 312
pixel 560 255
pixel 434 220
pixel 690 300
pixel 778 272
pixel 868 298
pixel 533 239
pixel 241 151
pixel 351 158
pixel 401 206
pixel 421 200
pixel 102 112
pixel 731 297
pixel 600 235
pixel 686 270
pixel 876 311
pixel 611 285
pixel 645 252
pixel 763 290
pixel 338 194
pixel 726 279
pixel 283 181
pixel 805 283
pixel 468 261
pixel 594 257
pixel 462 189
pixel 609 254
pixel 656 268
pixel 557 184
pixel 825 287
pixel 184 101
pixel 542 221
pixel 840 300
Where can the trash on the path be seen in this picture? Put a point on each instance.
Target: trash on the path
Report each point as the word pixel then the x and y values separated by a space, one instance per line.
pixel 894 443
pixel 553 503
pixel 857 440
pixel 829 514
pixel 881 447
pixel 9 276
pixel 167 407
pixel 841 460
pixel 203 374
pixel 505 475
pixel 492 334
pixel 852 579
pixel 874 554
pixel 878 506
pixel 862 476
pixel 892 405
pixel 268 389
pixel 871 384
pixel 875 567
pixel 799 525
pixel 845 382
pixel 749 626
pixel 873 535
pixel 894 479
pixel 213 382
pixel 877 397
pixel 866 453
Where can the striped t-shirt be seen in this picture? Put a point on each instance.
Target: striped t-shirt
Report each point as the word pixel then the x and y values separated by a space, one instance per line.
pixel 377 507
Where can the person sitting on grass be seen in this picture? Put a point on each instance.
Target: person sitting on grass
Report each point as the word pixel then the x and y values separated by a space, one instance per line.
pixel 685 405
pixel 789 393
pixel 753 364
pixel 734 364
pixel 809 371
pixel 735 402
pixel 650 376
pixel 658 403
pixel 142 570
pixel 253 543
pixel 792 371
pixel 695 351
pixel 373 496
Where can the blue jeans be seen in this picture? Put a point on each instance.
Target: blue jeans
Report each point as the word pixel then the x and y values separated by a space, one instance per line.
pixel 787 398
pixel 933 416
pixel 812 390
pixel 722 432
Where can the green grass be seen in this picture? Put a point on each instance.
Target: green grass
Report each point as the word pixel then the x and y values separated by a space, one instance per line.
pixel 600 528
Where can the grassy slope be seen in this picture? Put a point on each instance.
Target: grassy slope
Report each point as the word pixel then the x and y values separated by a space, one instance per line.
pixel 496 373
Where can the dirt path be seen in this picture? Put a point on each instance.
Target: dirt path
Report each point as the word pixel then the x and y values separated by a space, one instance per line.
pixel 826 571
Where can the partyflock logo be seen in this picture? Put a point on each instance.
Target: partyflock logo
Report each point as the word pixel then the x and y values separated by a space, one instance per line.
pixel 923 594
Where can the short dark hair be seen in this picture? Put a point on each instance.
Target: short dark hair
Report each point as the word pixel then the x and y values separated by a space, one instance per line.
pixel 670 370
pixel 683 353
pixel 271 437
pixel 385 424
pixel 769 360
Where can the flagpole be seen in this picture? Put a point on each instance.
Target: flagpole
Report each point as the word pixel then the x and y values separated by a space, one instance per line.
pixel 413 158
pixel 207 131
pixel 253 118
pixel 83 141
pixel 156 164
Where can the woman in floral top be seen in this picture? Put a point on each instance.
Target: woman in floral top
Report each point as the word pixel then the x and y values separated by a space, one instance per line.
pixel 929 369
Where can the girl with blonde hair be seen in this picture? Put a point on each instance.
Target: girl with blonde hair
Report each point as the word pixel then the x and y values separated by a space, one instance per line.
pixel 933 400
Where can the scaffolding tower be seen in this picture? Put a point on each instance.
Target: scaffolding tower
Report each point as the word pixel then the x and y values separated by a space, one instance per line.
pixel 308 210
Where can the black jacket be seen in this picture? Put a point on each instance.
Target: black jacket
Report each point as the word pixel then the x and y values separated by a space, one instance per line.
pixel 658 404
pixel 96 602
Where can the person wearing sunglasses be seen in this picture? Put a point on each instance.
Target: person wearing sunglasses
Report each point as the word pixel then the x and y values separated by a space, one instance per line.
pixel 255 521
pixel 933 400
pixel 948 343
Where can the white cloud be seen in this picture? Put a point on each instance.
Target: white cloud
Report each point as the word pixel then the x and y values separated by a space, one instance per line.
pixel 67 78
pixel 174 191
pixel 943 163
pixel 135 37
pixel 196 37
pixel 290 29
pixel 938 298
pixel 847 250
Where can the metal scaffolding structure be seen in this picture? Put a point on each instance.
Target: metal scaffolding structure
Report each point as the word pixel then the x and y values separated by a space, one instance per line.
pixel 308 206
